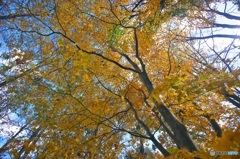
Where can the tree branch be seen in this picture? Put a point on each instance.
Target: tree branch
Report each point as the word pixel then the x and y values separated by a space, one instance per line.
pixel 137 50
pixel 146 128
pixel 11 16
pixel 213 36
pixel 226 26
pixel 226 15
pixel 215 125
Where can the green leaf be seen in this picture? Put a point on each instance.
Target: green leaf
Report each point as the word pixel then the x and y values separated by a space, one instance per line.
pixel 6 56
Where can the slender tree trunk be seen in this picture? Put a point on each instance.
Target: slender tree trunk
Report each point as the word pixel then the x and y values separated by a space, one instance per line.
pixel 182 137
pixel 160 147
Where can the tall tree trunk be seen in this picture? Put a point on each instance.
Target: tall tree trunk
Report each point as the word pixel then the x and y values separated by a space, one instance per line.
pixel 183 138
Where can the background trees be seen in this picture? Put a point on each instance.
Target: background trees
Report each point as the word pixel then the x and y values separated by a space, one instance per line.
pixel 105 79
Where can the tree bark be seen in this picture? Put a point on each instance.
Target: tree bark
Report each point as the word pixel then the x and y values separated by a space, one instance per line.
pixel 181 134
pixel 160 147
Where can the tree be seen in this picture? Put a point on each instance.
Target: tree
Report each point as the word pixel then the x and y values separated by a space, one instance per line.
pixel 104 74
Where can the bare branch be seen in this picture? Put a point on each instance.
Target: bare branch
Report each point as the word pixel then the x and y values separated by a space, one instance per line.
pixel 212 36
pixel 6 17
pixel 226 15
pixel 226 26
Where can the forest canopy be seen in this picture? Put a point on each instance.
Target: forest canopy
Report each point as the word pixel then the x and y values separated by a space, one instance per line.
pixel 118 79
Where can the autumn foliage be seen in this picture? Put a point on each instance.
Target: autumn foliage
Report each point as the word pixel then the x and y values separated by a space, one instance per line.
pixel 116 79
